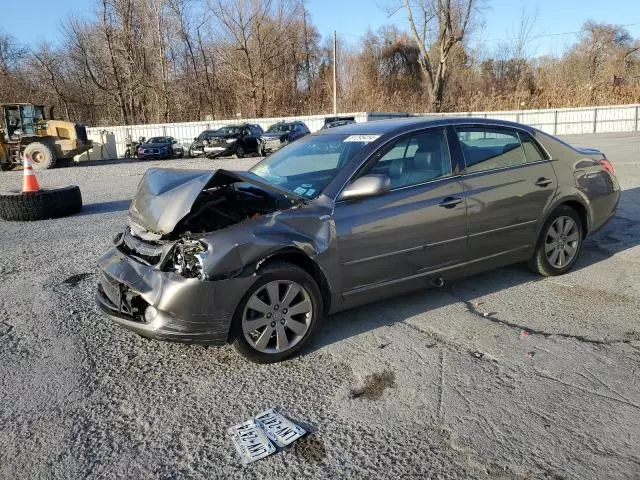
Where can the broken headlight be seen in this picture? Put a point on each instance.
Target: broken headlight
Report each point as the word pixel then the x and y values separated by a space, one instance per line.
pixel 188 259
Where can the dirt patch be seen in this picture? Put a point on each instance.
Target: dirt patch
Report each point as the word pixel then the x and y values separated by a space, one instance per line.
pixel 374 385
pixel 310 448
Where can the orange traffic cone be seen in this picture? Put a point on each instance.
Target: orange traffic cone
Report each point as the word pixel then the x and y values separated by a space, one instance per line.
pixel 29 180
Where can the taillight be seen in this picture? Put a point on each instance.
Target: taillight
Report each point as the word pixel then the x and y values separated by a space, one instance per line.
pixel 606 164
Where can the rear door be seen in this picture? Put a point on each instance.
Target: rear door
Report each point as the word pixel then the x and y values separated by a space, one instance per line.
pixel 508 181
pixel 417 227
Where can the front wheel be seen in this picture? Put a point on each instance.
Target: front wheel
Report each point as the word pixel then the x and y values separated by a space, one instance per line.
pixel 240 151
pixel 560 243
pixel 278 314
pixel 43 155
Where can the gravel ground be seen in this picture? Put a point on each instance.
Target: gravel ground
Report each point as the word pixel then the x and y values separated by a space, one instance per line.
pixel 502 375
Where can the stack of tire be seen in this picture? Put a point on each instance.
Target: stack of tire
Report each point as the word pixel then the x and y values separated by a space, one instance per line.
pixel 41 205
pixel 35 203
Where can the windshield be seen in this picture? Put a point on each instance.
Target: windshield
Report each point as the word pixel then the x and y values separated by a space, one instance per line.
pixel 229 131
pixel 280 128
pixel 306 166
pixel 159 140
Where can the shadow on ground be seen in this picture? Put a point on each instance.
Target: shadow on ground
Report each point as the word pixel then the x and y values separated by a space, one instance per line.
pixel 621 233
pixel 105 207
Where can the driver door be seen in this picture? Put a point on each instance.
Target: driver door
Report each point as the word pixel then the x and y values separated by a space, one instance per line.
pixel 416 228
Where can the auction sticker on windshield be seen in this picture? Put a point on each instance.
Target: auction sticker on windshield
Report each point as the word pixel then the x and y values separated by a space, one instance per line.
pixel 278 428
pixel 361 138
pixel 251 442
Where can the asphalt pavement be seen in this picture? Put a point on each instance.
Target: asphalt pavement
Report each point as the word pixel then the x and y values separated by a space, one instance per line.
pixel 502 375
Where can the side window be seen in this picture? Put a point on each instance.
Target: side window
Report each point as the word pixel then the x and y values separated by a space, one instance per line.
pixel 532 151
pixel 488 148
pixel 415 159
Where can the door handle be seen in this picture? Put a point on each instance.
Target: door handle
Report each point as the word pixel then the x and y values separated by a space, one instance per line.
pixel 450 202
pixel 543 182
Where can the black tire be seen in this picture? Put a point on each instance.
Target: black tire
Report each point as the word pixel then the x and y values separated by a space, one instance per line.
pixel 43 156
pixel 240 151
pixel 266 274
pixel 5 167
pixel 539 263
pixel 127 153
pixel 48 203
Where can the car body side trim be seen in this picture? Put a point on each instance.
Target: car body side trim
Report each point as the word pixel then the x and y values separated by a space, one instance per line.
pixel 508 227
pixel 417 276
pixel 400 252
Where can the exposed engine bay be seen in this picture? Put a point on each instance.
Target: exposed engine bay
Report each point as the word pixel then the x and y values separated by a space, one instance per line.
pixel 174 213
pixel 221 207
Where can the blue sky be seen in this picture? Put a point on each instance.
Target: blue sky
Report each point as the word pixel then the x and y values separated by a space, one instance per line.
pixel 36 21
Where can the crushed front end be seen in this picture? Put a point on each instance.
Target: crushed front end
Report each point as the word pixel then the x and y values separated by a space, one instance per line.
pixel 176 272
pixel 140 289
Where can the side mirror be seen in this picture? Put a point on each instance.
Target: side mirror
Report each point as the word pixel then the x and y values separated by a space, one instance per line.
pixel 195 139
pixel 367 186
pixel 174 142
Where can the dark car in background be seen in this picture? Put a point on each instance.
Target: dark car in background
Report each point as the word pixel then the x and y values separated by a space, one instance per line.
pixel 280 134
pixel 238 140
pixel 160 148
pixel 332 122
pixel 344 217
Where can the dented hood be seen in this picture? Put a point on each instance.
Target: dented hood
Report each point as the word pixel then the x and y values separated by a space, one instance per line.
pixel 165 195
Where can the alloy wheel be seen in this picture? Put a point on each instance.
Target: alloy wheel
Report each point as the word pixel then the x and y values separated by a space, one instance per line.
pixel 277 316
pixel 562 242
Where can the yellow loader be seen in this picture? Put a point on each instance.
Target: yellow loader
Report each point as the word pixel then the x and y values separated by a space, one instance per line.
pixel 25 130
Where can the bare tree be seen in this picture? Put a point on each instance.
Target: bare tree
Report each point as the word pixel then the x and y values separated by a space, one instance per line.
pixel 437 27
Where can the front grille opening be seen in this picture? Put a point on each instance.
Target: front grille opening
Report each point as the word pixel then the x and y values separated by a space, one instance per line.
pixel 123 301
pixel 145 252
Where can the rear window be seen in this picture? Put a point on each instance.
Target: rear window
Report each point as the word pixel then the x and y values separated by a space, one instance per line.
pixel 532 150
pixel 490 148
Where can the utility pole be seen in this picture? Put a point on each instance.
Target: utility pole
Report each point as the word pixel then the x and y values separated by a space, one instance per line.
pixel 335 65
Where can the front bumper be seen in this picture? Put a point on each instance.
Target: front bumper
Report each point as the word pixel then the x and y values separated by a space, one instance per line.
pixel 188 310
pixel 219 150
pixel 159 155
pixel 272 145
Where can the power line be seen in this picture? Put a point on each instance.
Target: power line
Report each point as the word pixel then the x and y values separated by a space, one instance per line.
pixel 545 35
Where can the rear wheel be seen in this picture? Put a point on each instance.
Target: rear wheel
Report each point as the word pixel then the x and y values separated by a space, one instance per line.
pixel 278 314
pixel 42 155
pixel 560 243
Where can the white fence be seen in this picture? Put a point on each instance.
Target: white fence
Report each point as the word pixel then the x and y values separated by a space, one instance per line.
pixel 568 121
pixel 111 141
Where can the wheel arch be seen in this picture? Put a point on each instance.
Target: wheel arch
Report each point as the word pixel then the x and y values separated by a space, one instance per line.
pixel 300 259
pixel 576 203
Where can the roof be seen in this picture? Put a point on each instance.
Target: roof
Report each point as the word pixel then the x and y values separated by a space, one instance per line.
pixel 381 127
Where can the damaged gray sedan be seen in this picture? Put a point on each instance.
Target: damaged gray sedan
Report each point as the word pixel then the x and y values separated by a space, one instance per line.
pixel 345 217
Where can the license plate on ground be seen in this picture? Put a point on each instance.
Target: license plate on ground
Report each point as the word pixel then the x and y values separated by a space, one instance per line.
pixel 251 442
pixel 278 428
